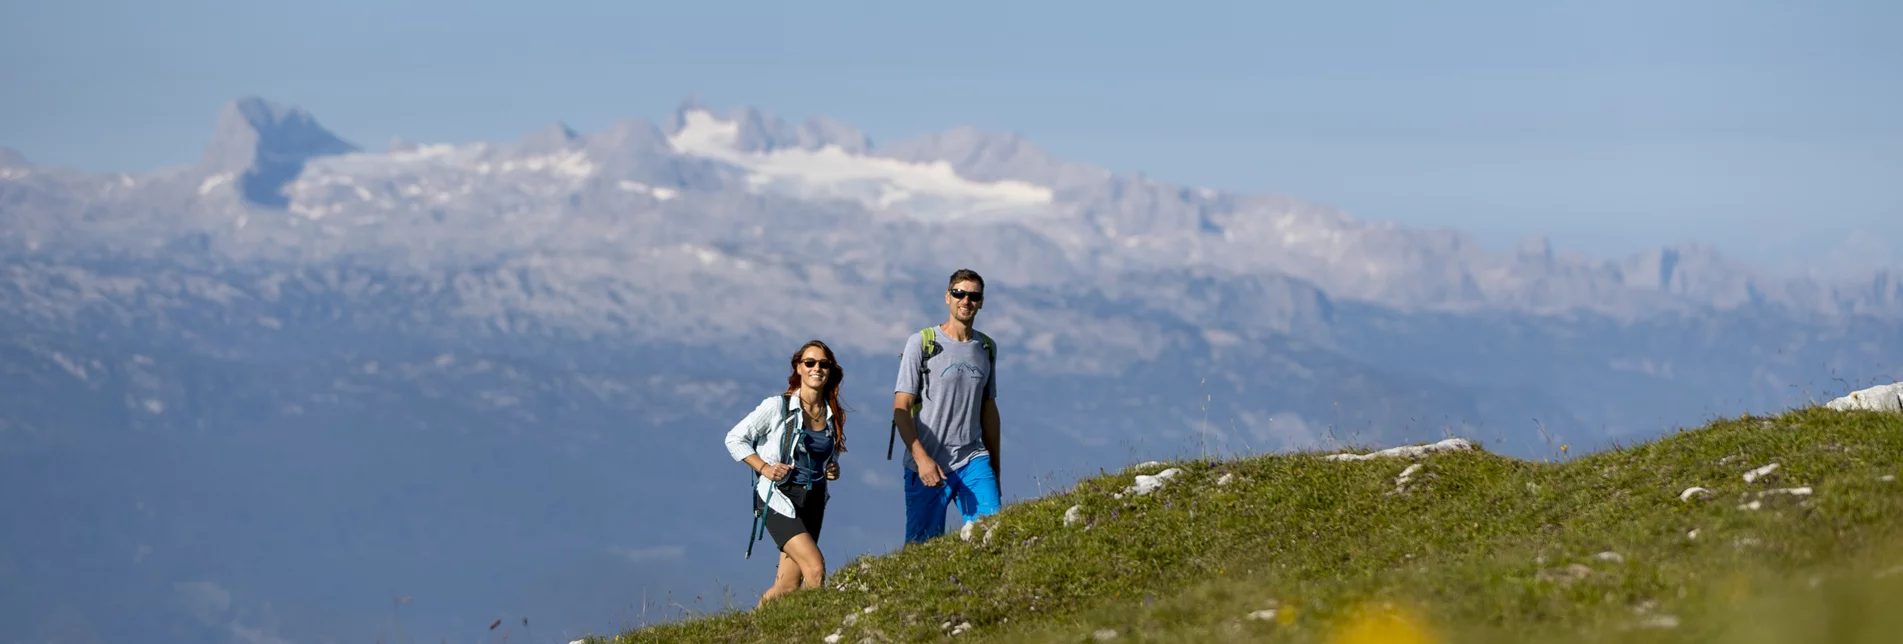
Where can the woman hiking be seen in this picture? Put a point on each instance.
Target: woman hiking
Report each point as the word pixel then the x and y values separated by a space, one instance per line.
pixel 791 442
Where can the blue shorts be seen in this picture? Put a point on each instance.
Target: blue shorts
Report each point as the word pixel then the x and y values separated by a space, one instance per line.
pixel 973 486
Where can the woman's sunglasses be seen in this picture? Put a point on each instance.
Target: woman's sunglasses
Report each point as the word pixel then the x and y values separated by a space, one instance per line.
pixel 975 296
pixel 823 364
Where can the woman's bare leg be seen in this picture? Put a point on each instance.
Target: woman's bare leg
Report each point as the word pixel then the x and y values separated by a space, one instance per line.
pixel 812 564
pixel 785 579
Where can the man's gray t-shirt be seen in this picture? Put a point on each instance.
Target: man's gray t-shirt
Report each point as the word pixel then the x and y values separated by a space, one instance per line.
pixel 957 385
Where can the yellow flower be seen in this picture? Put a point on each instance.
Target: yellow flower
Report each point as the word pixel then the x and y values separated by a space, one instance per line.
pixel 1382 624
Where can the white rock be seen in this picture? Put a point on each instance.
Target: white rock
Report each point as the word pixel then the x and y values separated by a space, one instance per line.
pixel 1879 398
pixel 1694 491
pixel 1104 635
pixel 1887 478
pixel 1793 491
pixel 1610 556
pixel 833 638
pixel 1146 465
pixel 1693 534
pixel 1227 477
pixel 851 618
pixel 1146 484
pixel 1407 474
pixel 869 609
pixel 1659 621
pixel 1756 474
pixel 1266 614
pixel 1407 451
pixel 1751 506
pixel 1073 515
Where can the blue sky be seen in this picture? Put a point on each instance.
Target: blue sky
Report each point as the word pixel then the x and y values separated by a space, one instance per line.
pixel 1770 130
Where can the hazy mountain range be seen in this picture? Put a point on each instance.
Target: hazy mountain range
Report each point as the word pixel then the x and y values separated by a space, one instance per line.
pixel 264 396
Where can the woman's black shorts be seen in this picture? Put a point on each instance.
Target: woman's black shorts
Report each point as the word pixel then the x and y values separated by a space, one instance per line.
pixel 810 505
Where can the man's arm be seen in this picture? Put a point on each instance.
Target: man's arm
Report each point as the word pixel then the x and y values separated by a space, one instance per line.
pixel 902 417
pixel 904 395
pixel 989 421
pixel 908 433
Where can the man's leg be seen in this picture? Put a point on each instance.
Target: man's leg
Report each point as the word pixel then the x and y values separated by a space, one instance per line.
pixel 977 491
pixel 924 508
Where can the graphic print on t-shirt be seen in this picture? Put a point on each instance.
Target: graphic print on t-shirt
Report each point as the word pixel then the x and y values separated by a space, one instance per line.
pixel 964 369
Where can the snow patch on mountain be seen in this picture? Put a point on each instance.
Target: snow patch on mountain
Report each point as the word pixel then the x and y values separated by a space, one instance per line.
pixel 477 158
pixel 572 164
pixel 932 191
pixel 422 177
pixel 212 182
pixel 662 194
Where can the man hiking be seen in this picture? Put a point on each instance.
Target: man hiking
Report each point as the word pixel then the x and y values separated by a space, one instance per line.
pixel 944 410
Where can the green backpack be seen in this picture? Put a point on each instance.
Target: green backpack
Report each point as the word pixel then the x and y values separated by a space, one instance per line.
pixel 928 347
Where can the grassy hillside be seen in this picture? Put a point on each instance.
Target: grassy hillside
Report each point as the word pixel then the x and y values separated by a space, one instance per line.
pixel 1474 547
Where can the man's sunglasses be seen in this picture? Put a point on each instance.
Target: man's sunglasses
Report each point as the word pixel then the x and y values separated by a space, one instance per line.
pixel 975 296
pixel 823 364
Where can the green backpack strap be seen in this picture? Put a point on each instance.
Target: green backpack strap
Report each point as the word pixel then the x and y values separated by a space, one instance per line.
pixel 927 347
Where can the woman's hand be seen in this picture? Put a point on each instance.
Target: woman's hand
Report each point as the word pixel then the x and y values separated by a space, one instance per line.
pixel 775 472
pixel 832 471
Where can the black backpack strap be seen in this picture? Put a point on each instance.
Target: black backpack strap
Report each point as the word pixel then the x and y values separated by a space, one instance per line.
pixel 991 354
pixel 786 433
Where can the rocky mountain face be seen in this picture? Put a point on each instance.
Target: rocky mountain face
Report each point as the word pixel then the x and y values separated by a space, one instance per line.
pixel 266 394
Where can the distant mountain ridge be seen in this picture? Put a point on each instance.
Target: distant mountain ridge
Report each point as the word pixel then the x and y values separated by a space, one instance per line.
pixel 558 188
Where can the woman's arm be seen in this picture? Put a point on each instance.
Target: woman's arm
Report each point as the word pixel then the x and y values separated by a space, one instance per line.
pixel 740 440
pixel 772 472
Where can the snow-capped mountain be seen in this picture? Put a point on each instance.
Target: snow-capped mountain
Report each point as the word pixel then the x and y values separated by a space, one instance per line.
pixel 272 386
pixel 274 184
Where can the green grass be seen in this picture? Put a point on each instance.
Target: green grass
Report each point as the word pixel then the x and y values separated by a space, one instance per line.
pixel 1478 548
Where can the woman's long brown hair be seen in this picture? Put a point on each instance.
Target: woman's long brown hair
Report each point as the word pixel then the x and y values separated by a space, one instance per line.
pixel 828 391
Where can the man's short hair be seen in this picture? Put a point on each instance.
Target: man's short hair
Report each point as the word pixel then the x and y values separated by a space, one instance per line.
pixel 965 274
